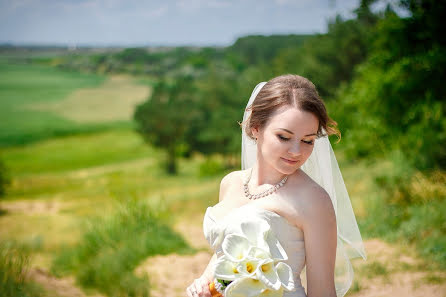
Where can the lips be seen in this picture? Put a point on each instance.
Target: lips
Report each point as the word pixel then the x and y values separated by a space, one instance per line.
pixel 289 161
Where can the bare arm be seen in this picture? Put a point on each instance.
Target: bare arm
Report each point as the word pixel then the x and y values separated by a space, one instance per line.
pixel 201 284
pixel 209 271
pixel 320 245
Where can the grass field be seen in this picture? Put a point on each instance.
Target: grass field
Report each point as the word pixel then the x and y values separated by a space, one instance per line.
pixel 51 200
pixel 38 102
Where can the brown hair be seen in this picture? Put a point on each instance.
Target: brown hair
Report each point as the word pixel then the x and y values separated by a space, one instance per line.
pixel 292 90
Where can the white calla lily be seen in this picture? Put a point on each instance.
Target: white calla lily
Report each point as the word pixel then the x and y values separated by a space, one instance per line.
pixel 244 287
pixel 248 266
pixel 285 275
pixel 272 293
pixel 226 269
pixel 259 234
pixel 251 260
pixel 258 253
pixel 266 272
pixel 236 247
pixel 256 232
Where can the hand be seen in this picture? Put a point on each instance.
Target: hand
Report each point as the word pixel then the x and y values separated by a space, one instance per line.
pixel 199 288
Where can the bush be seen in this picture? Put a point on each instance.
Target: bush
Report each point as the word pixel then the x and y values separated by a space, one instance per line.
pixel 111 247
pixel 411 210
pixel 14 264
pixel 210 167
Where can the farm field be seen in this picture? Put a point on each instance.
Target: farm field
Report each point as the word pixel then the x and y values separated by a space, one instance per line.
pixel 39 102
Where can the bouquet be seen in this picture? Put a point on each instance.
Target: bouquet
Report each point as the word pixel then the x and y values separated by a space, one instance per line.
pixel 252 264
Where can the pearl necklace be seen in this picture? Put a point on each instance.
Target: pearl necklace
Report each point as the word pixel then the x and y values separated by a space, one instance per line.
pixel 264 193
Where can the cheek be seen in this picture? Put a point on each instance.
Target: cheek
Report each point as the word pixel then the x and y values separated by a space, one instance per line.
pixel 307 150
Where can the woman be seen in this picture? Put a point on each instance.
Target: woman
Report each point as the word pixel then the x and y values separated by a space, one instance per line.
pixel 304 199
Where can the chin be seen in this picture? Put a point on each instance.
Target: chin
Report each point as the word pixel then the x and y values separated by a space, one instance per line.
pixel 288 170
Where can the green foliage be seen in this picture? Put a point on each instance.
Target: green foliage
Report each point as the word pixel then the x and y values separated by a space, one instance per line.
pixel 258 49
pixel 411 209
pixel 198 114
pixel 5 179
pixel 220 105
pixel 134 55
pixel 166 117
pixel 14 265
pixel 426 227
pixel 211 166
pixel 327 59
pixel 111 247
pixel 396 101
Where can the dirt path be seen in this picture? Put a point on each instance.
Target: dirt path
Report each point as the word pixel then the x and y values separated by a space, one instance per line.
pixel 56 287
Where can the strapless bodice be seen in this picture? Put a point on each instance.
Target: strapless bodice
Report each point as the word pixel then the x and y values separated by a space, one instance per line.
pixel 290 237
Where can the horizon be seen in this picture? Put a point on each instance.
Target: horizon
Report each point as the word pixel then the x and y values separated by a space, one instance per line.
pixel 111 46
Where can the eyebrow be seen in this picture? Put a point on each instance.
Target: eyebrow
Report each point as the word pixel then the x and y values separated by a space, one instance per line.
pixel 286 130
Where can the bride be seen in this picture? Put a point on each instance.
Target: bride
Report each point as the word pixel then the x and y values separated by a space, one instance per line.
pixel 290 178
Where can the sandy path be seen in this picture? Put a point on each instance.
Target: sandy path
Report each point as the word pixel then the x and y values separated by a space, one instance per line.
pixel 57 287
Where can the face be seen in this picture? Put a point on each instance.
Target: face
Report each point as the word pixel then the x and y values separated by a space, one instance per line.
pixel 287 139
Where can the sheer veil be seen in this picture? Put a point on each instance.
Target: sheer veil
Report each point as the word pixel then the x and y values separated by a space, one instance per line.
pixel 323 168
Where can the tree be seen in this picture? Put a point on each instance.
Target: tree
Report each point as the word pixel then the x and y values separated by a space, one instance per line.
pixel 396 101
pixel 327 59
pixel 165 118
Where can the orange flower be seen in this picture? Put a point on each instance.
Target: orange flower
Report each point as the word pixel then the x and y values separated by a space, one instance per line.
pixel 214 291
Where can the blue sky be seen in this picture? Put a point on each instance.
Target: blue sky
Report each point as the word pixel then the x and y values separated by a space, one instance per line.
pixel 169 22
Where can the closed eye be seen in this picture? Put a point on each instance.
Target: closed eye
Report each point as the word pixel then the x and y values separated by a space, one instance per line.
pixel 286 139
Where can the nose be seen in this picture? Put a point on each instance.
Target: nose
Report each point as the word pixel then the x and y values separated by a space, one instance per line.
pixel 295 149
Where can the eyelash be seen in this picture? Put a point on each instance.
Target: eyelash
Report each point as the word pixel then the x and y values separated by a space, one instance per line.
pixel 286 139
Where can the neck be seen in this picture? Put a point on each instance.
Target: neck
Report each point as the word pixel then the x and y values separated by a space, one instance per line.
pixel 263 175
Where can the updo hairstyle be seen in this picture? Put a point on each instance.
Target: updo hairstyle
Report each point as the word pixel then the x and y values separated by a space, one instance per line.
pixel 292 90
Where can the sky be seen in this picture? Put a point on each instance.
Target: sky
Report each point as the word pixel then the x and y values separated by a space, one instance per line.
pixel 157 23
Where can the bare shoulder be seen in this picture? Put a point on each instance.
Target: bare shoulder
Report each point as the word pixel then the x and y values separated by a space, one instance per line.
pixel 230 179
pixel 318 206
pixel 311 201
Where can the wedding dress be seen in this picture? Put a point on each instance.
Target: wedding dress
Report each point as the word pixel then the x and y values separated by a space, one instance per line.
pixel 290 237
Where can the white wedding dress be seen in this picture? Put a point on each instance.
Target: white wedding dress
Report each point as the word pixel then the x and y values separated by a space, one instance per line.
pixel 290 237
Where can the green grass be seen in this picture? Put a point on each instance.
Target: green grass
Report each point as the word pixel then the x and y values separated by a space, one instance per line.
pixel 60 184
pixel 25 84
pixel 112 247
pixel 398 204
pixel 14 264
pixel 36 102
pixel 76 152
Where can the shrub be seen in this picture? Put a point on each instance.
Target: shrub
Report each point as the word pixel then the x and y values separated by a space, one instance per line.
pixel 111 247
pixel 14 264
